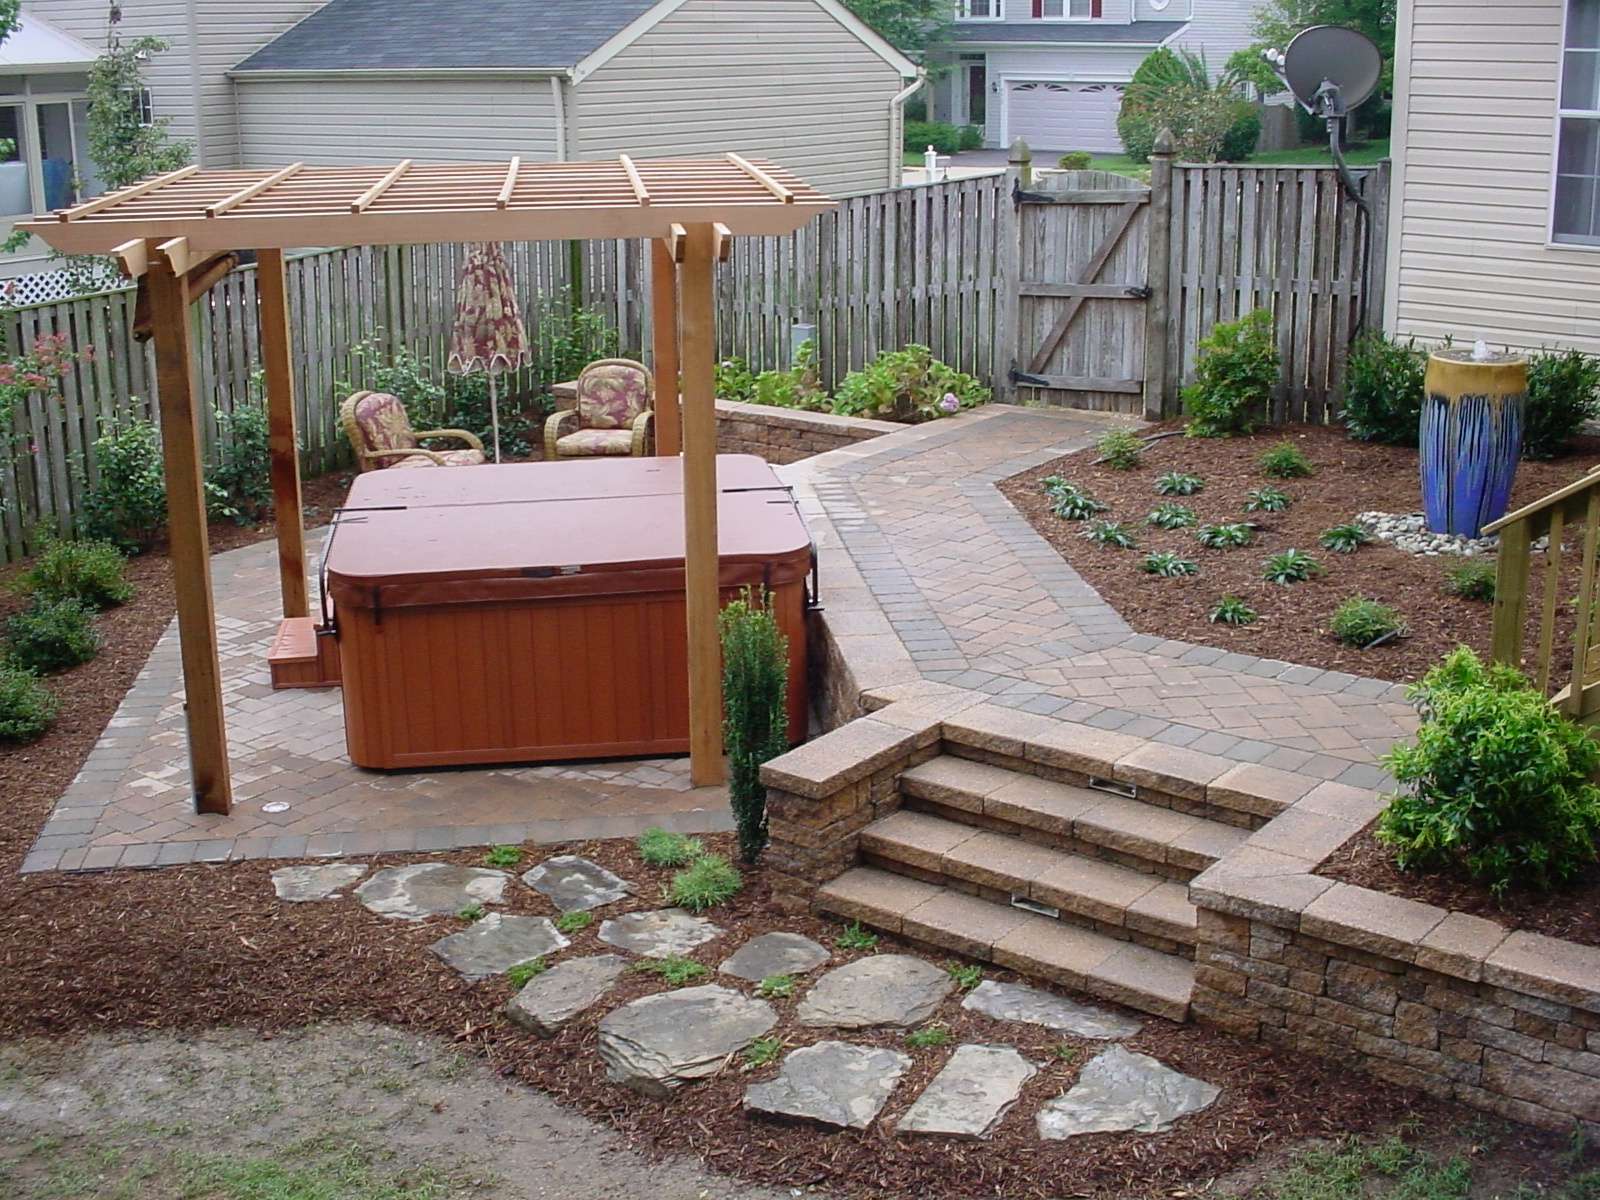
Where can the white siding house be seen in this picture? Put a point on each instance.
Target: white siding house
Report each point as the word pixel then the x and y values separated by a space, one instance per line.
pixel 1495 218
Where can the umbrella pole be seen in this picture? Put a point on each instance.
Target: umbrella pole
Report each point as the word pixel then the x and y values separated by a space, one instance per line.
pixel 494 416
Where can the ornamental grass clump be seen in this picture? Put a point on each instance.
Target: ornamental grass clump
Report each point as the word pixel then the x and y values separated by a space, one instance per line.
pixel 663 848
pixel 1497 782
pixel 705 883
pixel 755 707
pixel 1361 622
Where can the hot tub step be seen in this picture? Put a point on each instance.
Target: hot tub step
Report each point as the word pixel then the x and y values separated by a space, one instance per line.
pixel 301 658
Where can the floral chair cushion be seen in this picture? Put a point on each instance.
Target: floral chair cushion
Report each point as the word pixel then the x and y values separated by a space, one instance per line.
pixel 612 394
pixel 596 443
pixel 452 458
pixel 383 423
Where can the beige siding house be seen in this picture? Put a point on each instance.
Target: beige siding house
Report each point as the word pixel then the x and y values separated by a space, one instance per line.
pixel 1495 221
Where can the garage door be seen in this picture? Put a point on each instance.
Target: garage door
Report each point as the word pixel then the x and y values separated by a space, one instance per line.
pixel 1064 116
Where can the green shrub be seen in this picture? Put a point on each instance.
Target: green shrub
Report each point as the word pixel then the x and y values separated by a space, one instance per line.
pixel 239 487
pixel 1472 581
pixel 52 635
pixel 1359 622
pixel 1225 537
pixel 1345 539
pixel 1497 782
pixel 971 137
pixel 1209 118
pixel 79 570
pixel 27 707
pixel 1239 142
pixel 1290 566
pixel 1168 564
pixel 1267 499
pixel 1121 449
pixel 127 506
pixel 909 386
pixel 1176 483
pixel 661 848
pixel 1285 461
pixel 1383 390
pixel 1563 393
pixel 735 381
pixel 942 136
pixel 755 709
pixel 1075 160
pixel 705 883
pixel 1112 534
pixel 799 386
pixel 1231 610
pixel 1234 378
pixel 399 374
pixel 1171 516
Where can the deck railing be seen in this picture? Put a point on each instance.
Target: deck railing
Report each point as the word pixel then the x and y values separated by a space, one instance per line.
pixel 1557 516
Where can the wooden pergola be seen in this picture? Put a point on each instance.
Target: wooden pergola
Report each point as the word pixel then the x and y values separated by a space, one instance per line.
pixel 182 231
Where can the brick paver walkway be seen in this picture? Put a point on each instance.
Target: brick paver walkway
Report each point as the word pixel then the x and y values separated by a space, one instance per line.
pixel 927 572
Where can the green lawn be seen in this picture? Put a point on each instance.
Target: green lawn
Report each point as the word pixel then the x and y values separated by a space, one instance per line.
pixel 1310 156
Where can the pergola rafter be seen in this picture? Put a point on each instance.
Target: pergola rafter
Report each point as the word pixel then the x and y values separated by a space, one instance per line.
pixel 180 231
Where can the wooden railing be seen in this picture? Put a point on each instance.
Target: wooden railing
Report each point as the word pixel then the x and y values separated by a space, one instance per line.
pixel 1556 515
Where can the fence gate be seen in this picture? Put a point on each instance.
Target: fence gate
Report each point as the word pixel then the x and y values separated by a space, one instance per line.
pixel 1083 264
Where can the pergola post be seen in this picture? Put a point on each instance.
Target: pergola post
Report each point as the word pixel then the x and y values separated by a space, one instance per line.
pixel 190 545
pixel 664 349
pixel 282 444
pixel 701 593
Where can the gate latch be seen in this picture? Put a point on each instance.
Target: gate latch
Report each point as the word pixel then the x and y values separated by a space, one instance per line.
pixel 1138 292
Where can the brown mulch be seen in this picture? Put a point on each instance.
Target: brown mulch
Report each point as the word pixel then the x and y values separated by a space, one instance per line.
pixel 1571 912
pixel 1350 477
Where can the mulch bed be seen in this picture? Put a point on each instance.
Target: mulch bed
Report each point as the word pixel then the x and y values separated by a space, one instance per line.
pixel 1350 477
pixel 1571 912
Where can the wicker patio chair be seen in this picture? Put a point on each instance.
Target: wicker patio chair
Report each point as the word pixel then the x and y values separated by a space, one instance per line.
pixel 613 414
pixel 381 435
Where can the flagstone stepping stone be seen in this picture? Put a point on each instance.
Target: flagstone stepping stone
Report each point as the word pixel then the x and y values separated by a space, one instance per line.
pixel 493 944
pixel 1118 1090
pixel 970 1095
pixel 431 889
pixel 315 881
pixel 551 1000
pixel 658 1043
pixel 774 954
pixel 575 884
pixel 1035 1006
pixel 885 989
pixel 832 1083
pixel 658 934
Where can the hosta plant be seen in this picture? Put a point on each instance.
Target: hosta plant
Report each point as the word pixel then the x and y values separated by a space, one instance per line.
pixel 1171 515
pixel 1497 782
pixel 1110 533
pixel 1071 503
pixel 1168 564
pixel 1231 610
pixel 1290 566
pixel 1267 499
pixel 1176 483
pixel 1224 537
pixel 1360 622
pixel 1121 449
pixel 1286 461
pixel 1345 539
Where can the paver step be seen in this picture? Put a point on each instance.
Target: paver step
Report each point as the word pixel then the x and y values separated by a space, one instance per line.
pixel 1031 945
pixel 1187 844
pixel 1091 888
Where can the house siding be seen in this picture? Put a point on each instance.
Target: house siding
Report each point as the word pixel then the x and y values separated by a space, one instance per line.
pixel 226 34
pixel 1474 137
pixel 780 79
pixel 370 120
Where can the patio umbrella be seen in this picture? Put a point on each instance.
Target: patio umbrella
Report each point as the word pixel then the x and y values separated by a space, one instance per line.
pixel 488 334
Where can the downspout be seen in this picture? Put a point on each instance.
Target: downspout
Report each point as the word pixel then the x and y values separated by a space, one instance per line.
pixel 561 117
pixel 897 126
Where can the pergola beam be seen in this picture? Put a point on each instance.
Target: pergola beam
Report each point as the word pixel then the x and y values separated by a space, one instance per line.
pixel 664 343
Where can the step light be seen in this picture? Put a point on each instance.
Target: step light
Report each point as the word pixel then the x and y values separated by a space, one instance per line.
pixel 1115 787
pixel 1033 906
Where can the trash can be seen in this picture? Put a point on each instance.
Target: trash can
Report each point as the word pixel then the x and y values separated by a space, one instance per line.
pixel 1471 436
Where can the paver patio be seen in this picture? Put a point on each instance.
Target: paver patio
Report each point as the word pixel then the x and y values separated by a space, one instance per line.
pixel 926 572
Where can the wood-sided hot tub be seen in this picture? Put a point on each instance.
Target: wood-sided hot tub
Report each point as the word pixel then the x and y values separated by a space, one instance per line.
pixel 535 611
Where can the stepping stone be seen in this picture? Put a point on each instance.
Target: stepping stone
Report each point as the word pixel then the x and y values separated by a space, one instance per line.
pixel 431 889
pixel 655 1044
pixel 831 1083
pixel 885 989
pixel 658 934
pixel 1117 1091
pixel 492 945
pixel 775 954
pixel 1035 1006
pixel 970 1095
pixel 315 882
pixel 551 1000
pixel 575 884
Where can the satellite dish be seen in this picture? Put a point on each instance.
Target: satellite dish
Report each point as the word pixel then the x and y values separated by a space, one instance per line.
pixel 1330 69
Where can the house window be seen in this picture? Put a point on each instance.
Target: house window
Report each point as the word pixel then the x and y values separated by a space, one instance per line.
pixel 1064 10
pixel 978 10
pixel 1576 216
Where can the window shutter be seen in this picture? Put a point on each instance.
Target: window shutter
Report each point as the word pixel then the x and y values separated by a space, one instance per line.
pixel 1094 9
pixel 1038 9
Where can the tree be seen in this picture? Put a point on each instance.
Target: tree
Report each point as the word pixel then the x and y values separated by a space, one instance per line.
pixel 1277 21
pixel 10 17
pixel 1173 89
pixel 124 146
pixel 910 25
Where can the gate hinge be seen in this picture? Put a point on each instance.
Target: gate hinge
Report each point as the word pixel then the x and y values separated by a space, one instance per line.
pixel 1030 380
pixel 1020 197
pixel 1138 292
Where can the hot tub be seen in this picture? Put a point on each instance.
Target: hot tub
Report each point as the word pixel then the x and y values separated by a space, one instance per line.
pixel 535 611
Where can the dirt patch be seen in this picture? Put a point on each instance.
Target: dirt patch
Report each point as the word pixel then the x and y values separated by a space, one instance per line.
pixel 1350 477
pixel 1571 912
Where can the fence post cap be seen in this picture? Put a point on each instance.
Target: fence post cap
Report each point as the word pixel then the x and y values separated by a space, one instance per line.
pixel 1165 143
pixel 1020 152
